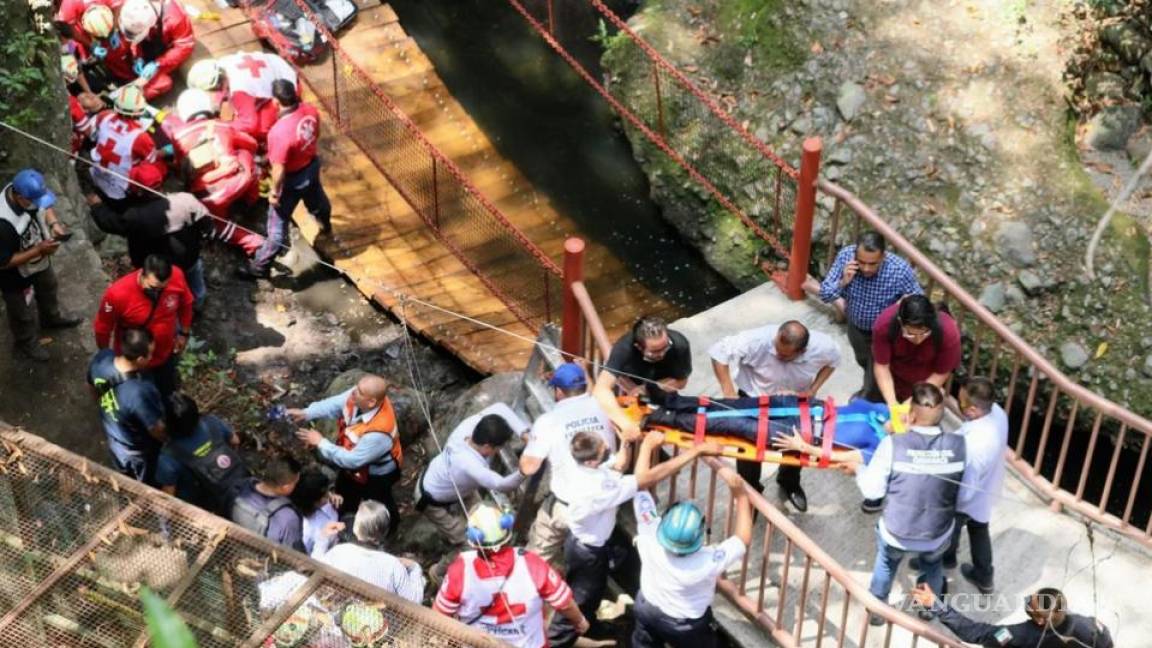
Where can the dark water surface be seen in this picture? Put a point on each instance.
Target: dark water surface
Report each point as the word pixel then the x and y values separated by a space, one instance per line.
pixel 561 135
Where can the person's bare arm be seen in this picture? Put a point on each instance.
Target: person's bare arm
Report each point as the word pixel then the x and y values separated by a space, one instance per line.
pixel 673 384
pixel 743 507
pixel 796 443
pixel 884 381
pixel 647 476
pixel 530 465
pixel 171 490
pixel 277 184
pixel 572 613
pixel 43 248
pixel 939 379
pixel 724 377
pixel 623 457
pixel 822 377
pixel 605 395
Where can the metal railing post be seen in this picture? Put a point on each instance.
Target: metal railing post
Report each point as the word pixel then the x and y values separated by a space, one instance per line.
pixel 572 325
pixel 659 102
pixel 802 226
pixel 551 19
pixel 336 92
pixel 435 195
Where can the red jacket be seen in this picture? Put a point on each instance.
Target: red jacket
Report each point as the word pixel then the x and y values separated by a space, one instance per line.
pixel 171 42
pixel 125 305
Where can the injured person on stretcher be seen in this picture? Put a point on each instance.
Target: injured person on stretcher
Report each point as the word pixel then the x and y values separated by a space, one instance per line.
pixel 785 429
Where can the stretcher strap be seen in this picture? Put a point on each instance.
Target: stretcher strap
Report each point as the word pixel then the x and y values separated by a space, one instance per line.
pixel 701 419
pixel 805 416
pixel 762 428
pixel 827 432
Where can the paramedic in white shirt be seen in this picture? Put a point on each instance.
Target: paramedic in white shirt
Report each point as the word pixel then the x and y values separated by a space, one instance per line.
pixel 365 558
pixel 986 429
pixel 775 359
pixel 677 573
pixel 592 516
pixel 463 468
pixel 576 410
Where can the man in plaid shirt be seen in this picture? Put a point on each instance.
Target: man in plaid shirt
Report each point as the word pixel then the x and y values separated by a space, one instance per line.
pixel 864 280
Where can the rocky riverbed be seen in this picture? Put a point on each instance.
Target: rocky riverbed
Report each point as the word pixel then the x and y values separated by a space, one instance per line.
pixel 952 120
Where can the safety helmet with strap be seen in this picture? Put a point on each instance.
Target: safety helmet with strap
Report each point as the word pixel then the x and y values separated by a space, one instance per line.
pixel 193 102
pixel 205 75
pixel 681 530
pixel 129 100
pixel 98 21
pixel 489 526
pixel 137 18
pixel 70 68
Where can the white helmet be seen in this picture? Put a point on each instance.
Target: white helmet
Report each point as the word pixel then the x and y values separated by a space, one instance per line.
pixel 489 526
pixel 98 21
pixel 205 75
pixel 70 67
pixel 137 18
pixel 129 100
pixel 192 102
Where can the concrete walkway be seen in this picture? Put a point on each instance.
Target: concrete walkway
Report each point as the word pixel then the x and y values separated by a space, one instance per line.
pixel 1034 547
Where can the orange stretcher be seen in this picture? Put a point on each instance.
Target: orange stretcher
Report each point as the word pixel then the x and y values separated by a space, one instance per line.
pixel 742 449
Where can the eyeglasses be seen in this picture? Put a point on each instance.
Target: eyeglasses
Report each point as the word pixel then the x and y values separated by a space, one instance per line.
pixel 910 334
pixel 657 354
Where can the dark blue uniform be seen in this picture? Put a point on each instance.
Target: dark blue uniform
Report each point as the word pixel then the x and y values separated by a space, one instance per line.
pixel 1077 630
pixel 130 406
pixel 170 471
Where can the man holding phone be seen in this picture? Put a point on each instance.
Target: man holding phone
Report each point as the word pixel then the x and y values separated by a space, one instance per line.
pixel 30 233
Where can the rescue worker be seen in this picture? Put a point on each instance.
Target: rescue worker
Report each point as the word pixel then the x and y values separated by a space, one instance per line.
pixel 592 516
pixel 124 150
pixel 677 573
pixel 107 58
pixel 367 450
pixel 502 589
pixel 157 298
pixel 263 507
pixel 295 176
pixel 131 407
pixel 199 463
pixel 551 439
pixel 29 233
pixel 923 476
pixel 161 37
pixel 366 559
pixel 244 80
pixel 1049 624
pixel 69 18
pixel 463 468
pixel 220 165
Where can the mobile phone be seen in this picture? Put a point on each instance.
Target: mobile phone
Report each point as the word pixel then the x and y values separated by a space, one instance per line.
pixel 60 238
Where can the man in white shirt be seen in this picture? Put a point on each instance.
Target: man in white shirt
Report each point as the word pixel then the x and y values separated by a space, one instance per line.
pixel 677 573
pixel 365 558
pixel 463 468
pixel 775 359
pixel 986 430
pixel 576 410
pixel 592 516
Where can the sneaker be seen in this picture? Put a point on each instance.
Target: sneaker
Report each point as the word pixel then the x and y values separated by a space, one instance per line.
pixel 61 322
pixel 33 351
pixel 872 505
pixel 968 571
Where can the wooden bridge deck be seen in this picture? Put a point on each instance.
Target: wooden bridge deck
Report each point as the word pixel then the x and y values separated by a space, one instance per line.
pixel 386 247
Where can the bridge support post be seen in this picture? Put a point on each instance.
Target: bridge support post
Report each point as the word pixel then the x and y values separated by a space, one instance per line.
pixel 802 225
pixel 572 324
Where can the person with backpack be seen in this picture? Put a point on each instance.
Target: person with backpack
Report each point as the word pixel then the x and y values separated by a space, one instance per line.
pixel 263 505
pixel 199 463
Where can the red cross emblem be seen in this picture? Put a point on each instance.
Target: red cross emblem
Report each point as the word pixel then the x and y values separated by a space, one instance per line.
pixel 108 155
pixel 503 612
pixel 306 130
pixel 253 65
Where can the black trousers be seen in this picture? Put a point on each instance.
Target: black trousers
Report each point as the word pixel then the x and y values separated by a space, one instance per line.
pixel 166 377
pixel 587 575
pixel 979 544
pixel 22 315
pixel 378 487
pixel 861 341
pixel 654 629
pixel 788 477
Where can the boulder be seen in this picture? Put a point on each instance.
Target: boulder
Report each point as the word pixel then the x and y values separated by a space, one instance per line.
pixel 993 297
pixel 1030 282
pixel 1147 368
pixel 1015 244
pixel 1139 147
pixel 1127 39
pixel 1110 128
pixel 1104 85
pixel 1073 355
pixel 850 100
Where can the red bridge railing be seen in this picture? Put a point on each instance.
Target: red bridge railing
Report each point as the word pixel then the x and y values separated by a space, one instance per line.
pixel 510 265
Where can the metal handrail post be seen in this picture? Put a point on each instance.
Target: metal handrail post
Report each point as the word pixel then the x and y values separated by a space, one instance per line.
pixel 572 326
pixel 802 224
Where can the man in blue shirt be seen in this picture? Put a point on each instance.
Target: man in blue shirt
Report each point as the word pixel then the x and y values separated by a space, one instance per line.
pixel 864 280
pixel 131 408
pixel 196 440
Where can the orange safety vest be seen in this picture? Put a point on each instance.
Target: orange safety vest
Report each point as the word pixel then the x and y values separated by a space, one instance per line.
pixel 384 422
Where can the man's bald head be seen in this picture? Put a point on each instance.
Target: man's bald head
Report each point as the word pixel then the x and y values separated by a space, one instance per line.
pixel 791 340
pixel 927 404
pixel 370 391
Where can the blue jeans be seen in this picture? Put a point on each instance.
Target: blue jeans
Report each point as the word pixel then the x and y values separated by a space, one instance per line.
pixel 195 278
pixel 298 185
pixel 888 559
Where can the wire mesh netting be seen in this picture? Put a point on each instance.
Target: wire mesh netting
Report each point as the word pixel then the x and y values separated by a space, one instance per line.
pixel 78 542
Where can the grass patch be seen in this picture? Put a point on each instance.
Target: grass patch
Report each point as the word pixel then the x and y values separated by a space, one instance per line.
pixel 759 26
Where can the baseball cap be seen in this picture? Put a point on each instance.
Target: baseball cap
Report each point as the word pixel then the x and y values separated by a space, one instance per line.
pixel 30 184
pixel 568 376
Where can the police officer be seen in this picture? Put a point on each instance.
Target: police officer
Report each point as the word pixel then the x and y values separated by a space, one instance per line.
pixel 924 478
pixel 592 516
pixel 29 229
pixel 1049 623
pixel 677 573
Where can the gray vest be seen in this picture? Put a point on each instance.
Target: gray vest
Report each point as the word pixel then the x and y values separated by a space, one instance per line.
pixel 254 511
pixel 922 489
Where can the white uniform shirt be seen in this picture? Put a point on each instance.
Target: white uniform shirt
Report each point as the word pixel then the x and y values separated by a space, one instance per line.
pixel 317 544
pixel 987 439
pixel 751 355
pixel 592 515
pixel 551 439
pixel 680 586
pixel 462 465
pixel 378 568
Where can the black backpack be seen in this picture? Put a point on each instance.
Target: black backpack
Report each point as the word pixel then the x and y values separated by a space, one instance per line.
pixel 220 473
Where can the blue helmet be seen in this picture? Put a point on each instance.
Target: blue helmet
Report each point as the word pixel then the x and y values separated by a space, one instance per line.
pixel 681 530
pixel 30 184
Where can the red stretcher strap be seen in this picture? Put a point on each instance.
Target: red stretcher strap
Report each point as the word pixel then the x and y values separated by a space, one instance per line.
pixel 701 420
pixel 762 428
pixel 827 432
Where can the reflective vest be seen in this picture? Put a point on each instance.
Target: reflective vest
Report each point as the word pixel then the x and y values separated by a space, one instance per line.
pixel 508 608
pixel 113 153
pixel 924 484
pixel 384 422
pixel 30 228
pixel 253 73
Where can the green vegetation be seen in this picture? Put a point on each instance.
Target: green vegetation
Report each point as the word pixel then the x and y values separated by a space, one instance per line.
pixel 758 27
pixel 25 88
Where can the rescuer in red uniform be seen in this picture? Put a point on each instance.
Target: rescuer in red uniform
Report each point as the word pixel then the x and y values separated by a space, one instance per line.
pixel 124 149
pixel 107 54
pixel 68 20
pixel 218 160
pixel 161 37
pixel 244 80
